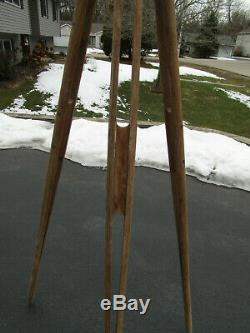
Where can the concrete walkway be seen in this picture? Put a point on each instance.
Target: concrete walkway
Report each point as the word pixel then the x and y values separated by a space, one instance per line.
pixel 71 281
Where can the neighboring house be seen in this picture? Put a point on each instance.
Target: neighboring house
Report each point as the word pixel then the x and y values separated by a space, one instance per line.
pixel 96 35
pixel 24 23
pixel 61 43
pixel 243 43
pixel 225 48
pixel 188 42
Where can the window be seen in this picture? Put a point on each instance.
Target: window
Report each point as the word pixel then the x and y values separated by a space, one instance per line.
pixel 92 41
pixel 18 3
pixel 54 10
pixel 6 46
pixel 44 8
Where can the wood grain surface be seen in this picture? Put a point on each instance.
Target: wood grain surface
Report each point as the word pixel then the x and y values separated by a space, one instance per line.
pixel 169 67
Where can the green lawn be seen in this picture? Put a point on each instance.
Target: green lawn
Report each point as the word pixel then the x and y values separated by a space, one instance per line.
pixel 203 104
pixel 34 99
pixel 11 91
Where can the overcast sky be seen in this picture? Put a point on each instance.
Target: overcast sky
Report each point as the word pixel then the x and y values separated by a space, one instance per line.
pixel 247 2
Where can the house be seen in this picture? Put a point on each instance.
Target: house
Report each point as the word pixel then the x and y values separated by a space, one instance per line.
pixel 25 22
pixel 96 35
pixel 226 45
pixel 243 43
pixel 61 43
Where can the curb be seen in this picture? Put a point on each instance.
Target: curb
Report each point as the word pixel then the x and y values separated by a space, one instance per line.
pixel 141 124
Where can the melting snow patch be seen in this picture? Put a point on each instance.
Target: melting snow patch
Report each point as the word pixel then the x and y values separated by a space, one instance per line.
pixel 210 157
pixel 94 50
pixel 183 70
pixel 94 87
pixel 196 72
pixel 244 99
pixel 17 106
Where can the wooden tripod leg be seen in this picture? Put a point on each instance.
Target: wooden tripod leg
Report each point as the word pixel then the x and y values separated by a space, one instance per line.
pixel 116 46
pixel 167 42
pixel 137 29
pixel 70 84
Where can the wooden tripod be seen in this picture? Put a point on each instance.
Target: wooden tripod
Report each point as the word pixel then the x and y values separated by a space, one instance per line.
pixel 121 140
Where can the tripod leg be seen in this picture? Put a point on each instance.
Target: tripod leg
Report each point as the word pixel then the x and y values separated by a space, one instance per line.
pixel 116 46
pixel 131 156
pixel 70 84
pixel 169 67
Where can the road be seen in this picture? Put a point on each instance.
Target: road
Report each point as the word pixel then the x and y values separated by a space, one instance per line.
pixel 71 280
pixel 241 67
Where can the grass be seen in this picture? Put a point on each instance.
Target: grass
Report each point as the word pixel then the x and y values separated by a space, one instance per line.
pixel 80 111
pixel 11 91
pixel 150 104
pixel 203 104
pixel 35 100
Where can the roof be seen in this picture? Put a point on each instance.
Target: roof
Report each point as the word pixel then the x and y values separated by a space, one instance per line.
pixel 222 39
pixel 245 32
pixel 95 28
pixel 226 40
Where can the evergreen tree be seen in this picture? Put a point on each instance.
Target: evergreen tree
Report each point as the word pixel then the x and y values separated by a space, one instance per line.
pixel 148 33
pixel 206 43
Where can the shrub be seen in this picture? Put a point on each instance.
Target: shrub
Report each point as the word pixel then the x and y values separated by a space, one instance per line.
pixel 126 44
pixel 106 40
pixel 7 71
pixel 238 51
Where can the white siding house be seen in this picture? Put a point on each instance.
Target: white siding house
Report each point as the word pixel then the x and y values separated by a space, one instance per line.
pixel 243 43
pixel 61 43
pixel 25 22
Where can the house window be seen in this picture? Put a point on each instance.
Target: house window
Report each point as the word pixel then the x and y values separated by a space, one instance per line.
pixel 44 8
pixel 6 47
pixel 18 3
pixel 92 41
pixel 54 10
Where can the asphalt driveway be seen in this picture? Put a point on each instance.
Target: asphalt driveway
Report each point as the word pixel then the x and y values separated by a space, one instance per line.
pixel 71 280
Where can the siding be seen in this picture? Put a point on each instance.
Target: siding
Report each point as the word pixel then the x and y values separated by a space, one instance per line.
pixel 34 17
pixel 243 41
pixel 48 27
pixel 61 41
pixel 14 19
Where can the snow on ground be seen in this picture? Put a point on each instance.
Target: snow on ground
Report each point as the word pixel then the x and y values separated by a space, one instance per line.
pixel 94 50
pixel 210 157
pixel 242 98
pixel 197 72
pixel 17 106
pixel 94 86
pixel 184 70
pixel 153 64
pixel 223 58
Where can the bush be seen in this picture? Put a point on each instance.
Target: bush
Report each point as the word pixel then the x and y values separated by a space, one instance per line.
pixel 238 51
pixel 7 71
pixel 126 44
pixel 205 49
pixel 206 43
pixel 106 40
